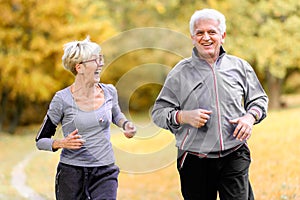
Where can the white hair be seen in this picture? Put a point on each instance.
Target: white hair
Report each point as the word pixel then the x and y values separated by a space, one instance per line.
pixel 208 14
pixel 78 51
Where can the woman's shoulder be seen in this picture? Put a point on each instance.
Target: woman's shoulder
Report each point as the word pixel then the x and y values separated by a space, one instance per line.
pixel 63 94
pixel 110 88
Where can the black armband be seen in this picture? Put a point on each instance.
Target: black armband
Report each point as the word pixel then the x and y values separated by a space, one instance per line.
pixel 47 129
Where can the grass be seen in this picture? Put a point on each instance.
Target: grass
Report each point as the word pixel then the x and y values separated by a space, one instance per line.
pixel 13 150
pixel 148 161
pixel 275 171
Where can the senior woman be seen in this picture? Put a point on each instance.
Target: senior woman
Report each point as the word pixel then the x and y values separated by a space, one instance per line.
pixel 85 110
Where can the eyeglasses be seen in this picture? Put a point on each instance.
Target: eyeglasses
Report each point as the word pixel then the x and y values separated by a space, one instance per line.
pixel 99 61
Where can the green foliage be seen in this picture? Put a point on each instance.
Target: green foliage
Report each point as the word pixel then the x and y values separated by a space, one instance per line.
pixel 32 34
pixel 278 35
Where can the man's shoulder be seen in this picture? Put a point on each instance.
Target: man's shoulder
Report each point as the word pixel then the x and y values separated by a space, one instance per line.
pixel 235 61
pixel 234 58
pixel 186 62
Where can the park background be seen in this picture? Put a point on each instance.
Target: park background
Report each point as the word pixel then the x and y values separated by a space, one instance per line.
pixel 142 40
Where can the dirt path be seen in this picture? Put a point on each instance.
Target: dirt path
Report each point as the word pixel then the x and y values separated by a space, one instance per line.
pixel 18 179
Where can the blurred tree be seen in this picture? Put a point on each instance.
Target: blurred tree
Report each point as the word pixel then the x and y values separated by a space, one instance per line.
pixel 277 42
pixel 255 31
pixel 158 41
pixel 32 34
pixel 265 32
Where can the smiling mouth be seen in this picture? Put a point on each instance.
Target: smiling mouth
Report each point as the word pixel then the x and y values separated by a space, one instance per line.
pixel 207 44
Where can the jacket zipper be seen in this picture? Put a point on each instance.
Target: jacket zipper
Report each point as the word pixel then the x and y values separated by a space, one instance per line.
pixel 218 108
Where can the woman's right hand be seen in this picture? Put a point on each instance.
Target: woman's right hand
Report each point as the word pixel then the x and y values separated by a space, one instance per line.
pixel 72 141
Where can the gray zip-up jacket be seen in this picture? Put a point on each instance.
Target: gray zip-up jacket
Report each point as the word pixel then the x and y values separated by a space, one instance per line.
pixel 230 89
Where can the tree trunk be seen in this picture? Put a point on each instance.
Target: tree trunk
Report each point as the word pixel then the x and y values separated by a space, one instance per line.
pixel 16 114
pixel 274 90
pixel 3 107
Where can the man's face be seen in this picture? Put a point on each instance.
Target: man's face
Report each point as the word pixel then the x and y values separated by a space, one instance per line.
pixel 207 38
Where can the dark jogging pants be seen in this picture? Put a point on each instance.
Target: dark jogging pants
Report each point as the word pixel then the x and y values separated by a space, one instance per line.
pixel 86 183
pixel 204 178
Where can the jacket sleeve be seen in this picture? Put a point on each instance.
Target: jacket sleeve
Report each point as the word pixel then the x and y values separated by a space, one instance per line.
pixel 166 107
pixel 256 100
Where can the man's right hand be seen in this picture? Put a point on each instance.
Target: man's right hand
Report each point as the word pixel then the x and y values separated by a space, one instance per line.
pixel 196 118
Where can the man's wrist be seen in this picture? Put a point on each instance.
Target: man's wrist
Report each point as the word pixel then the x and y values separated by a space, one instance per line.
pixel 179 117
pixel 254 114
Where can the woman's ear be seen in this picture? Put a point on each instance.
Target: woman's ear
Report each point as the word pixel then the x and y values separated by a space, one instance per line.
pixel 78 68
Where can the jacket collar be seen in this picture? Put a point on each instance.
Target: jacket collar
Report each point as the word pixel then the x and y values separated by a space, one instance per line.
pixel 201 63
pixel 195 53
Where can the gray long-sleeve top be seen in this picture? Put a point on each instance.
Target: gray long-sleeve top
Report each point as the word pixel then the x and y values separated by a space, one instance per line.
pixel 229 88
pixel 93 126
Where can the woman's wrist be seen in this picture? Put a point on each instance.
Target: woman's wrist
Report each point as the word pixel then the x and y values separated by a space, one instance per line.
pixel 124 124
pixel 56 145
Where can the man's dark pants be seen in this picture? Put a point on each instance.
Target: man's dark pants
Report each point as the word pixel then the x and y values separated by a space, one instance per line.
pixel 204 178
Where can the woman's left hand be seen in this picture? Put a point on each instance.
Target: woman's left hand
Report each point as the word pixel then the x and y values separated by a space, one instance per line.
pixel 129 130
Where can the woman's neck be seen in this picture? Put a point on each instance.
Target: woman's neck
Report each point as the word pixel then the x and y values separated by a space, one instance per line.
pixel 87 96
pixel 84 88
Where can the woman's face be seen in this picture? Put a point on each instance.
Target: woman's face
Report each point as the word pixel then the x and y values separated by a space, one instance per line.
pixel 207 38
pixel 92 68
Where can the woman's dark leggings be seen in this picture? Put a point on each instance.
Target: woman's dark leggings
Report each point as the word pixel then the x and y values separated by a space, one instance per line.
pixel 81 183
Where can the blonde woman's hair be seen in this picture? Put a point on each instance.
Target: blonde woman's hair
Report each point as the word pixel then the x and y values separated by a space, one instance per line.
pixel 78 51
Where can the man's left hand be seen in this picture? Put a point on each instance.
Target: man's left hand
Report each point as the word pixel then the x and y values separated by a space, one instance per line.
pixel 244 126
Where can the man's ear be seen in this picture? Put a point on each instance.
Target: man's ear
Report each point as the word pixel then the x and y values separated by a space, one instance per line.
pixel 193 41
pixel 223 37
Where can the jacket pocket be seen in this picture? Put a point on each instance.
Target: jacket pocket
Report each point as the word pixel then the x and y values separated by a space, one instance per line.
pixel 184 139
pixel 181 159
